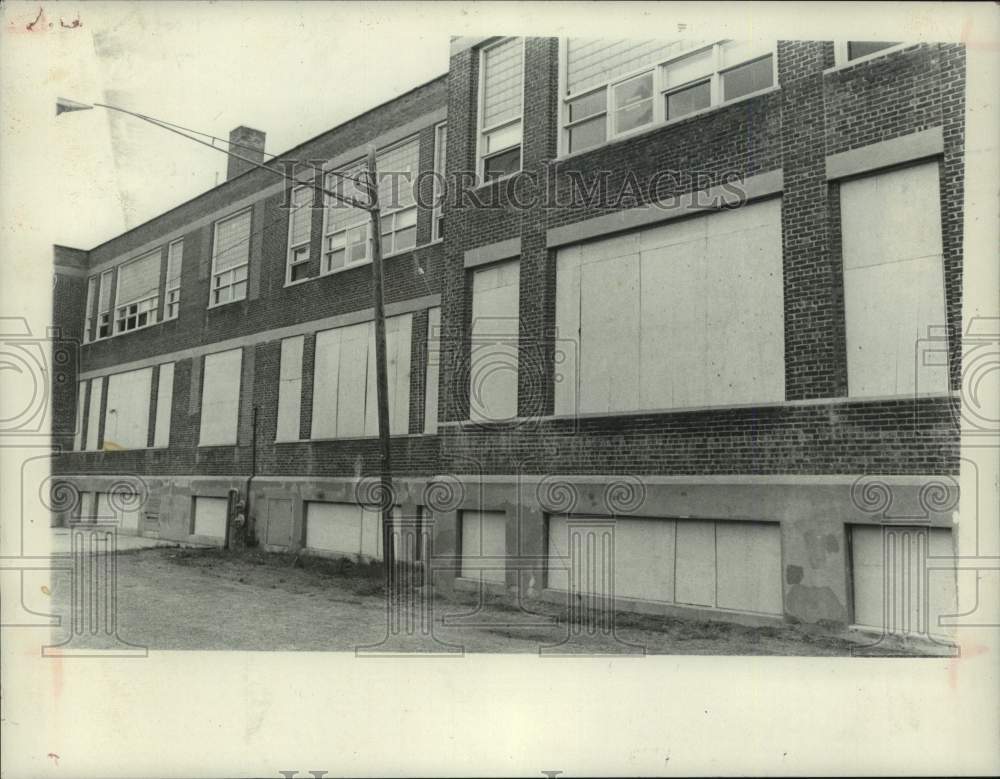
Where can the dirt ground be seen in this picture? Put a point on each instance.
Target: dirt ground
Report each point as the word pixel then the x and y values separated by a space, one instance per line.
pixel 174 598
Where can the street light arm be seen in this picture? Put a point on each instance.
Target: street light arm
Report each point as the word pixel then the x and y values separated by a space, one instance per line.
pixel 63 105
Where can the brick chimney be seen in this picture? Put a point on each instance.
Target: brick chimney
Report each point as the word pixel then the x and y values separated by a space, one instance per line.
pixel 251 146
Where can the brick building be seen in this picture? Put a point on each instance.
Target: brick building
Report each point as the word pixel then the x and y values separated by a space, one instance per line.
pixel 690 309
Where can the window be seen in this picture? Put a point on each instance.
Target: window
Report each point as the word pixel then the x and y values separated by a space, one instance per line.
pixel 220 398
pixel 164 404
pixel 500 107
pixel 230 259
pixel 88 320
pixel 858 49
pixel 136 301
pixel 440 151
pixel 104 305
pixel 613 88
pixel 893 280
pixel 94 413
pixel 81 407
pixel 299 230
pixel 433 368
pixel 494 353
pixel 290 389
pixel 172 299
pixel 344 399
pixel 399 209
pixel 126 418
pixel 660 319
pixel 345 231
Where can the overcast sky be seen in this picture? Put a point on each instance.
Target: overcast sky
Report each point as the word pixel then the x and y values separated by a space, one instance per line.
pixel 291 69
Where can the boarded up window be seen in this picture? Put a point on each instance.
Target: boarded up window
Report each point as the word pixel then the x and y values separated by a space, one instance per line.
pixel 81 400
pixel 290 389
pixel 898 587
pixel 345 528
pixel 164 403
pixel 893 280
pixel 494 347
pixel 210 516
pixel 484 535
pixel 433 366
pixel 344 387
pixel 726 565
pixel 94 413
pixel 686 314
pixel 126 418
pixel 220 398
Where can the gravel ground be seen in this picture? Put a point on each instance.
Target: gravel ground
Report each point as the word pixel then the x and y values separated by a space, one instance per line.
pixel 173 598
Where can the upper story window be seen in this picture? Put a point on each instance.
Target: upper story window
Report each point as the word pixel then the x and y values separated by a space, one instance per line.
pixel 440 150
pixel 88 316
pixel 848 51
pixel 616 87
pixel 138 293
pixel 397 170
pixel 501 95
pixel 172 299
pixel 346 229
pixel 104 305
pixel 230 259
pixel 299 229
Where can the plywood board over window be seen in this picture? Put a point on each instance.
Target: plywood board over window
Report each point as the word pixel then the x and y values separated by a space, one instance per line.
pixel 344 386
pixel 220 398
pixel 494 348
pixel 684 314
pixel 893 281
pixel 126 417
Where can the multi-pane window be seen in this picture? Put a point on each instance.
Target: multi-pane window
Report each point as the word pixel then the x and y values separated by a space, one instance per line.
pixel 138 293
pixel 397 172
pixel 345 230
pixel 172 298
pixel 104 305
pixel 440 149
pixel 230 259
pixel 299 229
pixel 88 321
pixel 613 88
pixel 500 108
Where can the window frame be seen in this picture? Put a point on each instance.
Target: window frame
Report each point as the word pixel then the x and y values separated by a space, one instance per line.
pixel 290 261
pixel 103 317
pixel 841 50
pixel 660 92
pixel 231 270
pixel 89 314
pixel 170 299
pixel 437 211
pixel 133 309
pixel 482 132
pixel 387 216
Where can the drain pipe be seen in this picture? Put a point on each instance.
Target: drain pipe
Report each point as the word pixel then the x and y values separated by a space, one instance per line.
pixel 250 530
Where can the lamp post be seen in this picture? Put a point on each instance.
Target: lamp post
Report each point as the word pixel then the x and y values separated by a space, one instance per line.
pixel 64 105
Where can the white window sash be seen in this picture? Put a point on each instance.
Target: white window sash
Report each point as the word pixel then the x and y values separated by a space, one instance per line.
pixel 226 280
pixel 660 92
pixel 295 256
pixel 481 153
pixel 440 161
pixel 172 292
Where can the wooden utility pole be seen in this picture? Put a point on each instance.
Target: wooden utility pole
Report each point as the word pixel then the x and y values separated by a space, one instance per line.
pixel 381 374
